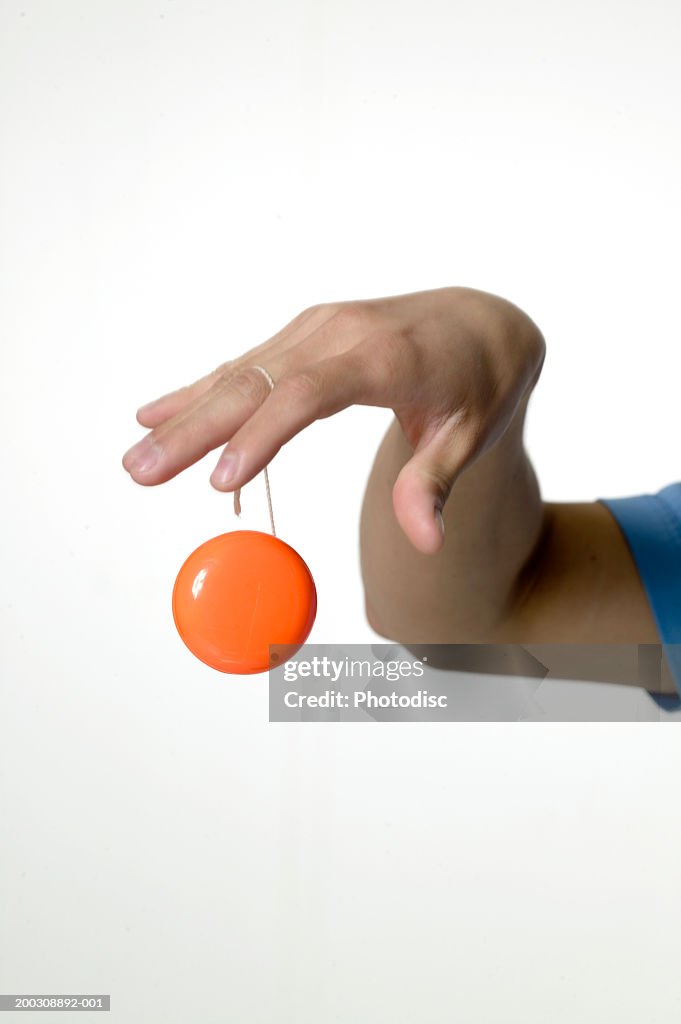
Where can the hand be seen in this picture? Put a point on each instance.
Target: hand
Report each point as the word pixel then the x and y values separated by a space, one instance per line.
pixel 453 364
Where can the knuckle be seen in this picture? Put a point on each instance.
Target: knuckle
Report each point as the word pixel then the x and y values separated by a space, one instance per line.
pixel 390 348
pixel 307 317
pixel 304 315
pixel 304 387
pixel 441 482
pixel 350 316
pixel 315 316
pixel 248 383
pixel 470 435
pixel 462 433
pixel 318 311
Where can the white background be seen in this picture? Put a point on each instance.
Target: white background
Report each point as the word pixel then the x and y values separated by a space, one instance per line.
pixel 178 180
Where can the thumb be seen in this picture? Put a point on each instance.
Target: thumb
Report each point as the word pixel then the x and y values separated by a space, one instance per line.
pixel 424 483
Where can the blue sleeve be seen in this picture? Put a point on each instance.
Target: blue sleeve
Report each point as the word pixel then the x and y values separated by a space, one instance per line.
pixel 651 524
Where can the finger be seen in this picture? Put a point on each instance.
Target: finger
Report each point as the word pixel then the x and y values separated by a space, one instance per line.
pixel 211 420
pixel 161 409
pixel 425 482
pixel 298 399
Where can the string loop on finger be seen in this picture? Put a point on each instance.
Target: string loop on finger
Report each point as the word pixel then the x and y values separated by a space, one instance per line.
pixel 237 493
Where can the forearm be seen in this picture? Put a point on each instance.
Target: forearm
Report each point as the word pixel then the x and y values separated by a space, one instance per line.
pixel 493 521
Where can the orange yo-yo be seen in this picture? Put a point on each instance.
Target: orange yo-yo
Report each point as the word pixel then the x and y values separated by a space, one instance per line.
pixel 240 592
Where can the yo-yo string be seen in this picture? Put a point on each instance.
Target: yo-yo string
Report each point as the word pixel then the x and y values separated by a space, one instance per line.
pixel 237 493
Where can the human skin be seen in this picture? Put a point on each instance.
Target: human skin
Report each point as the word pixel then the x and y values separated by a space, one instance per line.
pixel 456 543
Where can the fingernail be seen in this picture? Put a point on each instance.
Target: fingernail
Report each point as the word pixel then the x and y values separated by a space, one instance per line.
pixel 143 456
pixel 225 471
pixel 440 520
